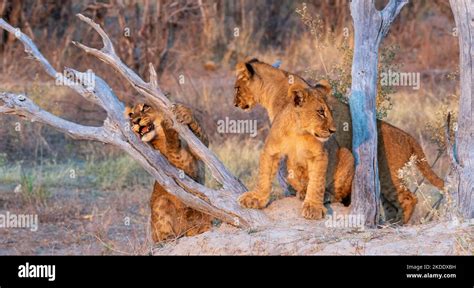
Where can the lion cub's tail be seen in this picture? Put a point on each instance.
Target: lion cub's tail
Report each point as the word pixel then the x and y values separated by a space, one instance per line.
pixel 423 165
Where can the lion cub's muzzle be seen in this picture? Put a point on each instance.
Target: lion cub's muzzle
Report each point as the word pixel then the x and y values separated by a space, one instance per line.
pixel 238 100
pixel 143 130
pixel 241 105
pixel 324 136
pixel 146 129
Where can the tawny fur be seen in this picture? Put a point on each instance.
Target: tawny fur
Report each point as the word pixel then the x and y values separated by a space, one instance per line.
pixel 260 83
pixel 298 132
pixel 170 218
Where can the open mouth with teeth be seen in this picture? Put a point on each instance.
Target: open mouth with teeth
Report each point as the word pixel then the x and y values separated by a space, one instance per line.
pixel 146 129
pixel 147 133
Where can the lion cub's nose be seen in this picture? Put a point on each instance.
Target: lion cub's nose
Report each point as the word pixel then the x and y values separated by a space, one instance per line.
pixel 136 120
pixel 332 130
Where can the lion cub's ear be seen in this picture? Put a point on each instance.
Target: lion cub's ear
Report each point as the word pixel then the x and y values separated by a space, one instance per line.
pixel 298 93
pixel 324 87
pixel 128 111
pixel 244 71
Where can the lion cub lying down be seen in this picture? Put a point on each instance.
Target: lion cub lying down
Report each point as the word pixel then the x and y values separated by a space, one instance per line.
pixel 298 132
pixel 170 218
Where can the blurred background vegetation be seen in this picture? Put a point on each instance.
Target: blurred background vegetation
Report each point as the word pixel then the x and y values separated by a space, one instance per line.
pixel 194 45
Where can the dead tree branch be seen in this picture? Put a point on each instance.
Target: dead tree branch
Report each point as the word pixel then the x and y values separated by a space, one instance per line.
pixel 220 203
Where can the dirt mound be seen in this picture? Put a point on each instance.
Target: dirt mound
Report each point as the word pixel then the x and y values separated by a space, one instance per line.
pixel 289 234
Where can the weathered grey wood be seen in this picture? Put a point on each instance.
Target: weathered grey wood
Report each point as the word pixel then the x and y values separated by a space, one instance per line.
pixel 370 27
pixel 462 172
pixel 19 104
pixel 156 97
pixel 219 203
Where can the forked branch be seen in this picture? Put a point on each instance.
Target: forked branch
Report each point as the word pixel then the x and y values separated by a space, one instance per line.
pixel 115 131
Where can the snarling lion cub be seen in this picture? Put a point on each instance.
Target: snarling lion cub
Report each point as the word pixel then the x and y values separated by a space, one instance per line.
pixel 260 83
pixel 170 218
pixel 298 132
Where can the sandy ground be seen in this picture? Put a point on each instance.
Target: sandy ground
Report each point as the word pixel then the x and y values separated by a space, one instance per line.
pixel 289 234
pixel 76 222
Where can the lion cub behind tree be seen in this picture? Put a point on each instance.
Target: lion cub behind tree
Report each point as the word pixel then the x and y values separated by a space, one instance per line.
pixel 260 83
pixel 298 132
pixel 170 218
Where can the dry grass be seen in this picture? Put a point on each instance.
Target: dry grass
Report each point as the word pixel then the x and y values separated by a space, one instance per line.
pixel 85 214
pixel 241 158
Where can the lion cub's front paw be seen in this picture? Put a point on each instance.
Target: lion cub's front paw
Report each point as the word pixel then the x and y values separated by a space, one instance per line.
pixel 183 114
pixel 313 211
pixel 167 124
pixel 253 200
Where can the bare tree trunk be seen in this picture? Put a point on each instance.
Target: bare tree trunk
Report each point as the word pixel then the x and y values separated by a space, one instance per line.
pixel 14 17
pixel 463 151
pixel 221 203
pixel 370 27
pixel 3 4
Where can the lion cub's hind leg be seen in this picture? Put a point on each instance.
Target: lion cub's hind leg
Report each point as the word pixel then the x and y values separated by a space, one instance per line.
pixel 298 179
pixel 197 222
pixel 406 199
pixel 343 176
pixel 164 214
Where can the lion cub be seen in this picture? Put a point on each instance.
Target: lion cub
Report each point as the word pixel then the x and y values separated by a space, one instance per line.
pixel 298 132
pixel 261 84
pixel 170 218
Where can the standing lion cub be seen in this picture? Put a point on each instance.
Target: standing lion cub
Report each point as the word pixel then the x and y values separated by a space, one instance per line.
pixel 298 132
pixel 259 83
pixel 170 218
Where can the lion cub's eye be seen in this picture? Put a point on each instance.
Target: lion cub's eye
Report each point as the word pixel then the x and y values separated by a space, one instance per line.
pixel 145 108
pixel 321 112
